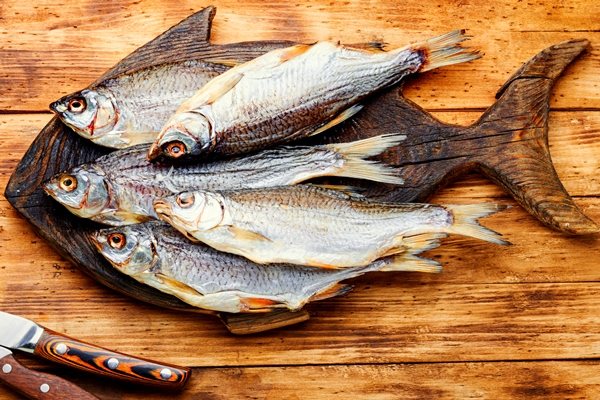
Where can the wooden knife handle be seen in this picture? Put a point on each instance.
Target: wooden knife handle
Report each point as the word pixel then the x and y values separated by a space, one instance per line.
pixel 39 385
pixel 62 349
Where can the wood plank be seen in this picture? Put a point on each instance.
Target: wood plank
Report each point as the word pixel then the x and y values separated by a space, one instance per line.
pixel 385 320
pixel 502 380
pixel 67 49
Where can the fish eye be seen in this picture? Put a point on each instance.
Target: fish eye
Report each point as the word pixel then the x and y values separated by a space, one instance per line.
pixel 175 149
pixel 77 105
pixel 117 241
pixel 68 183
pixel 185 200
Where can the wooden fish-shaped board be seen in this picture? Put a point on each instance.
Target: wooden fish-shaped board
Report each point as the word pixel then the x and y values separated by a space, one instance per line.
pixel 508 144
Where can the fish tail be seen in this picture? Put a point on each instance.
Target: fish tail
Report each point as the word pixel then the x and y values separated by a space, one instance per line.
pixel 407 261
pixel 444 50
pixel 356 165
pixel 465 221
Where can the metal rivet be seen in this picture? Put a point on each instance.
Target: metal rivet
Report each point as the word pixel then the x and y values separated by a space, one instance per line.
pixel 6 368
pixel 45 388
pixel 112 363
pixel 166 373
pixel 61 348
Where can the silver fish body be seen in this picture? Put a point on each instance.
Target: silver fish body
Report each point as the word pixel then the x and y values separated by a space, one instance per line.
pixel 156 254
pixel 292 93
pixel 132 108
pixel 120 188
pixel 310 225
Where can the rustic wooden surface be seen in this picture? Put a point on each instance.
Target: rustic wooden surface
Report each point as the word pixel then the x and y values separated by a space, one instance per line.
pixel 518 322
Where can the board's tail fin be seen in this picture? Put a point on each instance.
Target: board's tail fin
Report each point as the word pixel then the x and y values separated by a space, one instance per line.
pixel 444 50
pixel 465 221
pixel 408 261
pixel 357 166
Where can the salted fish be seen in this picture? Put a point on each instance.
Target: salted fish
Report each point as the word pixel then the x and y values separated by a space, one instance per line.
pixel 131 108
pixel 292 93
pixel 156 254
pixel 315 226
pixel 120 188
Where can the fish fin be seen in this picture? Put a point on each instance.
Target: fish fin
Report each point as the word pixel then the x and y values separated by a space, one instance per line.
pixel 444 50
pixel 213 90
pixel 223 61
pixel 344 115
pixel 407 260
pixel 465 221
pixel 371 47
pixel 368 147
pixel 135 138
pixel 393 251
pixel 416 244
pixel 349 190
pixel 243 234
pixel 412 263
pixel 130 218
pixel 357 167
pixel 292 52
pixel 259 304
pixel 337 289
pixel 179 289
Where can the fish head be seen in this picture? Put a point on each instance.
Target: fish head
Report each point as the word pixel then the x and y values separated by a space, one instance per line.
pixel 83 190
pixel 131 249
pixel 185 135
pixel 191 212
pixel 89 113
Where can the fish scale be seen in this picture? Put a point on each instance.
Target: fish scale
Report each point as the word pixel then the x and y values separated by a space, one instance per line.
pixel 128 184
pixel 156 254
pixel 315 226
pixel 138 103
pixel 291 93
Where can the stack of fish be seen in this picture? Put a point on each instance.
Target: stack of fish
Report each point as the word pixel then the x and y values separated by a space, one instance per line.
pixel 205 148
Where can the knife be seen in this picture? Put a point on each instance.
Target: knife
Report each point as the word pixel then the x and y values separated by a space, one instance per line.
pixel 18 333
pixel 37 385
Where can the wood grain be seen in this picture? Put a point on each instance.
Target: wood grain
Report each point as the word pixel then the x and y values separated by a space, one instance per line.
pixel 50 49
pixel 518 322
pixel 499 380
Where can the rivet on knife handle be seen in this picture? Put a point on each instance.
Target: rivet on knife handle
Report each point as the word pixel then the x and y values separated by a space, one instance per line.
pixel 59 348
pixel 38 385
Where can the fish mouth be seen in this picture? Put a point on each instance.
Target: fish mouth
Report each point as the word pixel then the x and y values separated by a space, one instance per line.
pixel 163 211
pixel 154 152
pixel 49 188
pixel 95 236
pixel 57 107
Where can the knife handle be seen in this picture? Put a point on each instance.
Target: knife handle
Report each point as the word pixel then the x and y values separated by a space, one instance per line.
pixel 62 349
pixel 39 385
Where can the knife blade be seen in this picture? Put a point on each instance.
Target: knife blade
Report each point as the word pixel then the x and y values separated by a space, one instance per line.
pixel 19 333
pixel 37 385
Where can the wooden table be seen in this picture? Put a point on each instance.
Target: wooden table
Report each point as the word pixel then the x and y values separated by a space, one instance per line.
pixel 516 322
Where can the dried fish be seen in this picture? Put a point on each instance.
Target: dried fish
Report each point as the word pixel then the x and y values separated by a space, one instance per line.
pixel 292 93
pixel 156 254
pixel 315 226
pixel 121 187
pixel 132 108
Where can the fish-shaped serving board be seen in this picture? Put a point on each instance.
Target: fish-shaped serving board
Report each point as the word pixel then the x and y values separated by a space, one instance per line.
pixel 508 144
